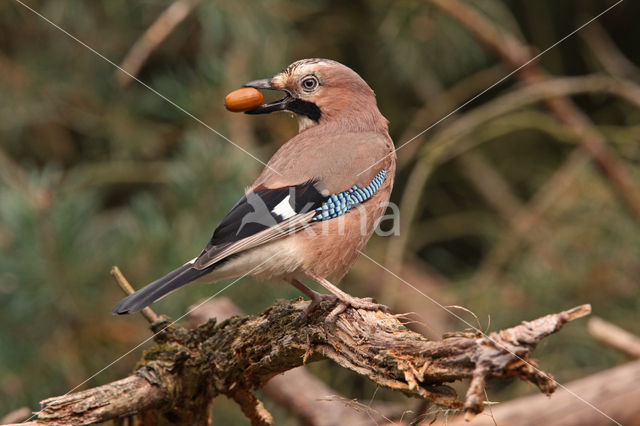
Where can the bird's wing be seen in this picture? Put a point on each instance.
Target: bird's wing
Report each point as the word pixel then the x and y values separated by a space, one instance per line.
pixel 259 217
pixel 264 215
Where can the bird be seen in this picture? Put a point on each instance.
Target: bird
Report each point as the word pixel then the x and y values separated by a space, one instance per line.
pixel 315 205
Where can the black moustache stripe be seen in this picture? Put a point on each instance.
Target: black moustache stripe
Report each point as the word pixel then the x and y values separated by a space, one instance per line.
pixel 308 109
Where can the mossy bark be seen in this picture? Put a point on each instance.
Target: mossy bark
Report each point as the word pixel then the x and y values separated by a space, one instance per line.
pixel 177 380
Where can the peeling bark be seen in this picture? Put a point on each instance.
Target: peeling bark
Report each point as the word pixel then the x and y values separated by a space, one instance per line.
pixel 179 378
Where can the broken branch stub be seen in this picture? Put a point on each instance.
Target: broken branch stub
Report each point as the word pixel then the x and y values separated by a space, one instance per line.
pixel 188 369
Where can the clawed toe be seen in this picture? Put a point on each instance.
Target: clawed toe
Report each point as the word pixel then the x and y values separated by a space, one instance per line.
pixel 366 303
pixel 333 315
pixel 315 301
pixel 342 299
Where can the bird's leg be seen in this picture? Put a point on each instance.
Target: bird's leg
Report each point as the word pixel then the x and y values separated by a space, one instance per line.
pixel 315 297
pixel 345 300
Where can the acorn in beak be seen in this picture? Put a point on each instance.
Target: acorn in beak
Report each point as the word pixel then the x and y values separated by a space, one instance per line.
pixel 279 105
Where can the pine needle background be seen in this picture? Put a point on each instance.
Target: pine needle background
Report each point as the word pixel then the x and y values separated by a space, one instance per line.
pixel 93 174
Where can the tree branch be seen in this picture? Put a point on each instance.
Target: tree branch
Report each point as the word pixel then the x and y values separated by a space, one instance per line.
pixel 516 54
pixel 297 390
pixel 615 336
pixel 152 38
pixel 180 376
pixel 604 399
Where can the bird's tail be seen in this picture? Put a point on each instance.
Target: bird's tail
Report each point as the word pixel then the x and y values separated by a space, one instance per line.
pixel 158 289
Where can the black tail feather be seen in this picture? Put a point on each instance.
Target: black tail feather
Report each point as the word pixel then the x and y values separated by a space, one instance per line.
pixel 159 288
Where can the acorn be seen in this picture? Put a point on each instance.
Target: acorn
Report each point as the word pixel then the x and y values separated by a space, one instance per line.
pixel 244 99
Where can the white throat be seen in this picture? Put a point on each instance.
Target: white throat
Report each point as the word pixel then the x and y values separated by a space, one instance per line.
pixel 304 122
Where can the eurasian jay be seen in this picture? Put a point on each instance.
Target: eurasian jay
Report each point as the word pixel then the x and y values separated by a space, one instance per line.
pixel 316 203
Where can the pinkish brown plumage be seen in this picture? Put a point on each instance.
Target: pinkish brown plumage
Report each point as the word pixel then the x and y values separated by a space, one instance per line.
pixel 278 228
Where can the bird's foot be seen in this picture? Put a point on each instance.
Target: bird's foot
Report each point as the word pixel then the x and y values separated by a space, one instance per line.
pixel 342 299
pixel 316 299
pixel 366 303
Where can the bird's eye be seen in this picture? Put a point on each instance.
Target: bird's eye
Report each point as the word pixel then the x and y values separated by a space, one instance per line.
pixel 309 83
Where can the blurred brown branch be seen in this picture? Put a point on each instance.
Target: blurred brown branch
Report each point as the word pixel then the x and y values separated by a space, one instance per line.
pixel 607 53
pixel 436 108
pixel 516 55
pixel 179 378
pixel 153 37
pixel 16 416
pixel 615 337
pixel 531 216
pixel 462 134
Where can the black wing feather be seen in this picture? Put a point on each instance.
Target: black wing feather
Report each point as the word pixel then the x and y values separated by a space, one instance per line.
pixel 254 212
pixel 251 215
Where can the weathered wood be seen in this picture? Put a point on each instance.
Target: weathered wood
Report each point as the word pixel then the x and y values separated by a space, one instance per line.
pixel 187 369
pixel 116 399
pixel 304 395
pixel 615 392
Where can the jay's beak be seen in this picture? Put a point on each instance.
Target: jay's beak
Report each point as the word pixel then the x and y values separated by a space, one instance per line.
pixel 279 105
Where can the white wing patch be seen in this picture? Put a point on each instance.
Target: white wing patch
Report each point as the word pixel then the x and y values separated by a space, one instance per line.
pixel 284 208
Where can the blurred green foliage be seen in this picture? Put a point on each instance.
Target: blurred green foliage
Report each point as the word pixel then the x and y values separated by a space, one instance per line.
pixel 93 174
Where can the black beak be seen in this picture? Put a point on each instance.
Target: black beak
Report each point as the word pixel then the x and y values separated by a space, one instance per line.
pixel 279 105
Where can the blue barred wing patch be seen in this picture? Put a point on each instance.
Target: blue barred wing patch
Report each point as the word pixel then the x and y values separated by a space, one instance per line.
pixel 338 204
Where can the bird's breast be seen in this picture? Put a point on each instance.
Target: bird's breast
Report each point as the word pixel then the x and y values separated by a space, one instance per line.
pixel 278 259
pixel 330 247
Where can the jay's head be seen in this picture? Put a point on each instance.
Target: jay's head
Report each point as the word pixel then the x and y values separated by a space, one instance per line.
pixel 322 91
